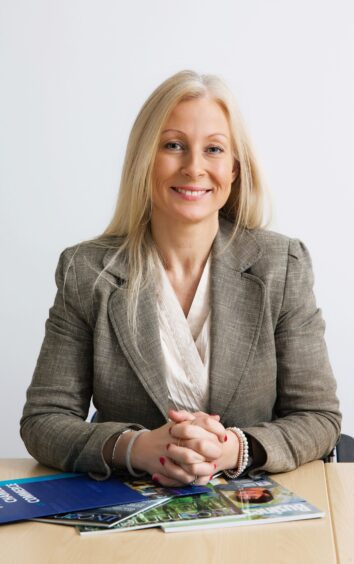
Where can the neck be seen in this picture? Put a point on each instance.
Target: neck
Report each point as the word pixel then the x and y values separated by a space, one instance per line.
pixel 184 248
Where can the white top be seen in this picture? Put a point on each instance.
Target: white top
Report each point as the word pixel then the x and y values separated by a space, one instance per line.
pixel 185 343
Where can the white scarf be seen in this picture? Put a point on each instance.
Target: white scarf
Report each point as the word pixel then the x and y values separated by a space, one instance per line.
pixel 185 343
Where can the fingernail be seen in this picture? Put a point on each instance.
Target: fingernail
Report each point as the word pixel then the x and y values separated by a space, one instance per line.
pixel 225 438
pixel 214 466
pixel 154 478
pixel 210 477
pixel 162 460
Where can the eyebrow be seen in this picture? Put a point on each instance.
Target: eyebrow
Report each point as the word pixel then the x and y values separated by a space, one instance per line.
pixel 182 132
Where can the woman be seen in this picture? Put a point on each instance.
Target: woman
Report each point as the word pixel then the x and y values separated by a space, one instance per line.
pixel 184 307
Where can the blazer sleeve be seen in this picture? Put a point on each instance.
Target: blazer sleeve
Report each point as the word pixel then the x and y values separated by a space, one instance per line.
pixel 53 425
pixel 307 419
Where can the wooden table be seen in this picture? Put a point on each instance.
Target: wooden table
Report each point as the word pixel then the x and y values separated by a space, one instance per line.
pixel 304 542
pixel 340 484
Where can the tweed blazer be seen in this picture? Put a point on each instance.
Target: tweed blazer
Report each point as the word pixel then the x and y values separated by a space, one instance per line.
pixel 269 369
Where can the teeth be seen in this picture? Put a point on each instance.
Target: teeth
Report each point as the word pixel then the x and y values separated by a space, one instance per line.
pixel 190 192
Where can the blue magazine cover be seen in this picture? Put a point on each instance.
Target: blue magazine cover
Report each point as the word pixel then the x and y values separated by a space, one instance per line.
pixel 27 498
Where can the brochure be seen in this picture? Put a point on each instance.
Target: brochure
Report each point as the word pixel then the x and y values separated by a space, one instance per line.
pixel 27 498
pixel 104 517
pixel 256 502
pixel 107 517
pixel 227 504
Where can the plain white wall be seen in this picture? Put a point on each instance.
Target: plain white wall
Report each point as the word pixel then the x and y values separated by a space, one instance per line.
pixel 73 77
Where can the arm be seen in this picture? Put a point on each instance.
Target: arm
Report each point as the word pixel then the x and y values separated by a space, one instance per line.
pixel 53 424
pixel 307 420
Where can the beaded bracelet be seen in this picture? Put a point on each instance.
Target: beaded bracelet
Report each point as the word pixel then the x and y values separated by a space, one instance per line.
pixel 243 455
pixel 128 454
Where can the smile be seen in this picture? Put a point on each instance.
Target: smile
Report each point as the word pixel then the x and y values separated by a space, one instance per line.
pixel 192 193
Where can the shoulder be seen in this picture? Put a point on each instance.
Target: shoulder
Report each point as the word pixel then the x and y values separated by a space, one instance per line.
pixel 281 257
pixel 273 244
pixel 88 259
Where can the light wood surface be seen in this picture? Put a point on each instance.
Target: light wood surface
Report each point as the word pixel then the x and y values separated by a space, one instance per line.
pixel 304 542
pixel 340 483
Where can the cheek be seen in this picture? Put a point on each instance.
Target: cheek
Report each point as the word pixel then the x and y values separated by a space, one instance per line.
pixel 164 166
pixel 223 170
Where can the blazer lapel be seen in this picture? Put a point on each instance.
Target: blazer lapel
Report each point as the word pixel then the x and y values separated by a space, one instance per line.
pixel 237 309
pixel 145 359
pixel 237 299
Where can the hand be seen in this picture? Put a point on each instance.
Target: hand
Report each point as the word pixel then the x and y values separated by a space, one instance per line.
pixel 208 422
pixel 151 452
pixel 229 442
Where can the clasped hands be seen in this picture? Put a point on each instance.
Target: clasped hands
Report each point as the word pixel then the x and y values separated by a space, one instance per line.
pixel 191 447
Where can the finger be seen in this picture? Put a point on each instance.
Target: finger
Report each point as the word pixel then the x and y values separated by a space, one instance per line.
pixel 179 416
pixel 175 471
pixel 202 469
pixel 213 425
pixel 209 450
pixel 170 483
pixel 166 481
pixel 206 428
pixel 183 455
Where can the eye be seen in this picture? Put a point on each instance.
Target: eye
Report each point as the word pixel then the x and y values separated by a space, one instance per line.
pixel 173 145
pixel 215 150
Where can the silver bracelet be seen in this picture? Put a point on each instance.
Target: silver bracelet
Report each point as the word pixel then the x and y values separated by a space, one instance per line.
pixel 113 465
pixel 128 454
pixel 242 461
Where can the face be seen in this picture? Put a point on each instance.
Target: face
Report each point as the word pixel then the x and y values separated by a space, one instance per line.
pixel 250 494
pixel 194 166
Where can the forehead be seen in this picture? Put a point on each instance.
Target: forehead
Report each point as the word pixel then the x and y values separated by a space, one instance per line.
pixel 201 114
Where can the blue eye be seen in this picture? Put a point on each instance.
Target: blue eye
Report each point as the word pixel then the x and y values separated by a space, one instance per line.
pixel 172 145
pixel 218 149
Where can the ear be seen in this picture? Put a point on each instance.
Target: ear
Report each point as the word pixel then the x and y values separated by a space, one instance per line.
pixel 235 170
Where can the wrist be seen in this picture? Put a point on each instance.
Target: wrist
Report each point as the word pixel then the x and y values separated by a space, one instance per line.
pixel 230 452
pixel 139 451
pixel 120 448
pixel 243 454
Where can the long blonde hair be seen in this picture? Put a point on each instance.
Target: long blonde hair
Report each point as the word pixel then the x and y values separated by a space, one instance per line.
pixel 131 219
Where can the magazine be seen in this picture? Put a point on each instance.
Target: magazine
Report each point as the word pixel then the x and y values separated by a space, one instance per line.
pixel 107 517
pixel 27 498
pixel 187 507
pixel 104 517
pixel 227 504
pixel 256 502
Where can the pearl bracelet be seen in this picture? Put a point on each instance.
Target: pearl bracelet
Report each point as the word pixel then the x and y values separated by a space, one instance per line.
pixel 243 455
pixel 128 454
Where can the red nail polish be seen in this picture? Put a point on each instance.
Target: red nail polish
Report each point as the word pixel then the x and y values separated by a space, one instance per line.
pixel 214 466
pixel 225 438
pixel 154 478
pixel 210 477
pixel 162 460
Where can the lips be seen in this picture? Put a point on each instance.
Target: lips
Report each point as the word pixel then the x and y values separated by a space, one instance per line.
pixel 191 190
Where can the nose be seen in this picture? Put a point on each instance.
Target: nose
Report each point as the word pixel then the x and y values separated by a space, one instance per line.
pixel 193 165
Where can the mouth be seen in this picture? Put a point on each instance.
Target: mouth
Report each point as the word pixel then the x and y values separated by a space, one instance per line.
pixel 191 191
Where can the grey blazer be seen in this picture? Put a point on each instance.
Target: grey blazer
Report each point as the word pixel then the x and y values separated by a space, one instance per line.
pixel 269 372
